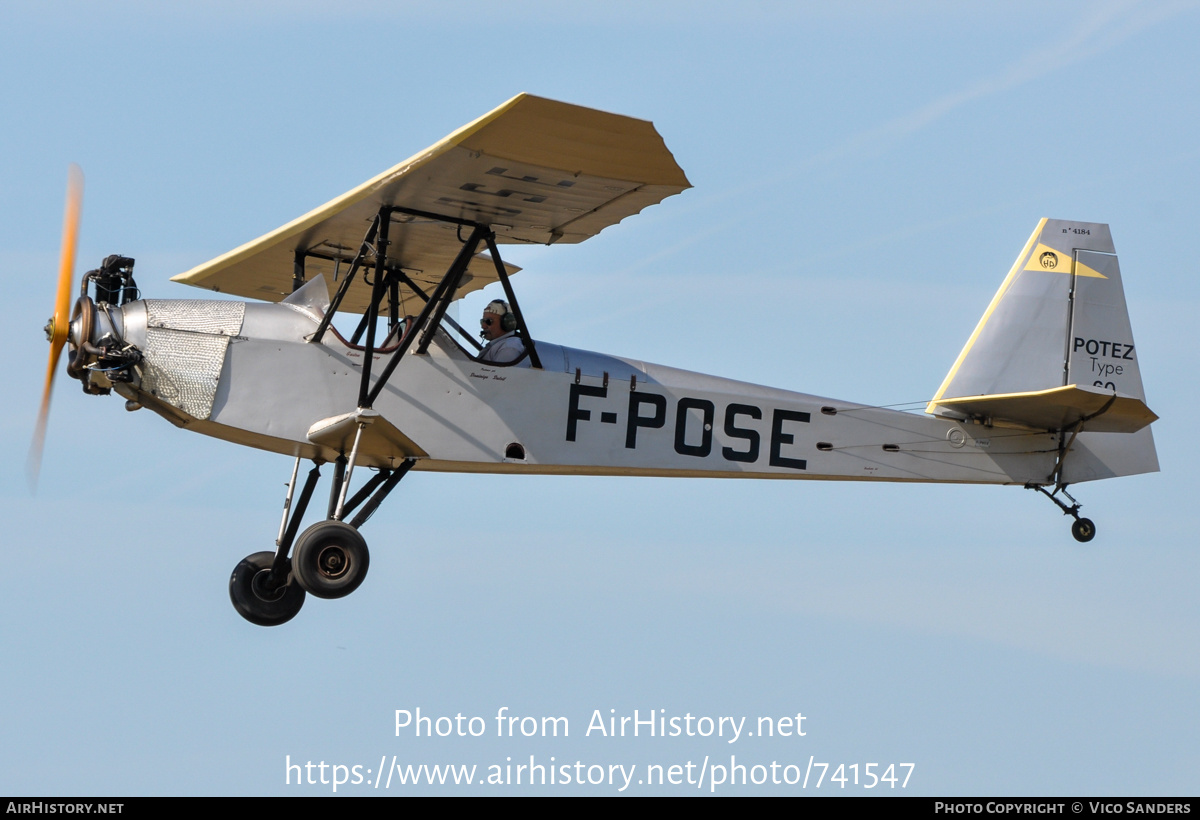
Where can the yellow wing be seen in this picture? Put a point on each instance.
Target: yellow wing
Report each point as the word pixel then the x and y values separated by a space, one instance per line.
pixel 534 170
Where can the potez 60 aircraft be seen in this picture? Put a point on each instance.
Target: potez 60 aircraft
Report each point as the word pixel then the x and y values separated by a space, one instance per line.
pixel 1046 392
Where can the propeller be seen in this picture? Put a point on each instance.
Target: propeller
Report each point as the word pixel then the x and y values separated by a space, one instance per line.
pixel 58 328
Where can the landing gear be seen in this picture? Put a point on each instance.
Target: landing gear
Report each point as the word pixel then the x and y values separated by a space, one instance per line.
pixel 255 599
pixel 1082 528
pixel 331 559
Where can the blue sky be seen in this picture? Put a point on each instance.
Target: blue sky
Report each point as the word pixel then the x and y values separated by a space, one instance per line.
pixel 864 176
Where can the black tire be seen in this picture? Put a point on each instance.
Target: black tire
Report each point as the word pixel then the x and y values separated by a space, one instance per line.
pixel 253 602
pixel 1083 529
pixel 330 559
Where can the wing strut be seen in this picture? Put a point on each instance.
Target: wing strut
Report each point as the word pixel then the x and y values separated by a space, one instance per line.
pixel 368 240
pixel 512 300
pixel 386 286
pixel 381 245
pixel 415 288
pixel 442 295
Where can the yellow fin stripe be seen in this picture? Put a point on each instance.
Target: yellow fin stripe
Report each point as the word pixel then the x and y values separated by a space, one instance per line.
pixel 1049 260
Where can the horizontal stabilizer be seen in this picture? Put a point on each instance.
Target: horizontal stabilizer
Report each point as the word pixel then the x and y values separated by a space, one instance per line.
pixel 1060 408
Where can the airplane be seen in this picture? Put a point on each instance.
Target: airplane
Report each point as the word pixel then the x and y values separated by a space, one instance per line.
pixel 1046 393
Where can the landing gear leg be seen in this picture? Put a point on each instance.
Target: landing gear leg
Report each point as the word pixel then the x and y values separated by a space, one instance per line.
pixel 1082 529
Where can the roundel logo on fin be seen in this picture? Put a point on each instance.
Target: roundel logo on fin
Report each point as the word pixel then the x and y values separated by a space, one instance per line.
pixel 1049 260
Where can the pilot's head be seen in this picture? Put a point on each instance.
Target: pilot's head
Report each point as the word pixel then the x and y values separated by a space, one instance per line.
pixel 497 320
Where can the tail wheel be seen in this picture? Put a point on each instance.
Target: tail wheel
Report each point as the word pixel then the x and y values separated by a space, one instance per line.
pixel 330 559
pixel 1083 529
pixel 252 599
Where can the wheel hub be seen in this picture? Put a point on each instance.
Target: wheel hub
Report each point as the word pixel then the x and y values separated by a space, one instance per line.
pixel 332 562
pixel 259 587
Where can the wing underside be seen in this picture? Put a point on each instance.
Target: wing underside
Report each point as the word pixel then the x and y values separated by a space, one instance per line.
pixel 533 170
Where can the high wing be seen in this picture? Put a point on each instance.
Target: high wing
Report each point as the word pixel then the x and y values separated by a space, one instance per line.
pixel 534 170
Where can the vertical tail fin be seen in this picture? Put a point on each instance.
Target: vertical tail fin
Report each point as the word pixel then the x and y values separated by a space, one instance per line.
pixel 1055 350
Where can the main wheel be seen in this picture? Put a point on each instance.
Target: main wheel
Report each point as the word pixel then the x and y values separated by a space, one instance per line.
pixel 330 559
pixel 1083 529
pixel 253 601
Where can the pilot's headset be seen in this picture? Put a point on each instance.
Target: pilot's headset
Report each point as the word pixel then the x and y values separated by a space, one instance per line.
pixel 499 307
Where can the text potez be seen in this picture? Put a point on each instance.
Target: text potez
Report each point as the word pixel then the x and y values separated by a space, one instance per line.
pixel 694 419
pixel 1104 349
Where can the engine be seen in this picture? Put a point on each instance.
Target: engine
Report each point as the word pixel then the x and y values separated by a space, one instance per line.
pixel 100 355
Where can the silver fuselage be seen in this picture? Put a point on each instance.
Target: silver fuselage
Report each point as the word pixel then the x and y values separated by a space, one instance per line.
pixel 257 379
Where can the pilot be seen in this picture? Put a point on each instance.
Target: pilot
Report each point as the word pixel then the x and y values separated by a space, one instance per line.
pixel 499 327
